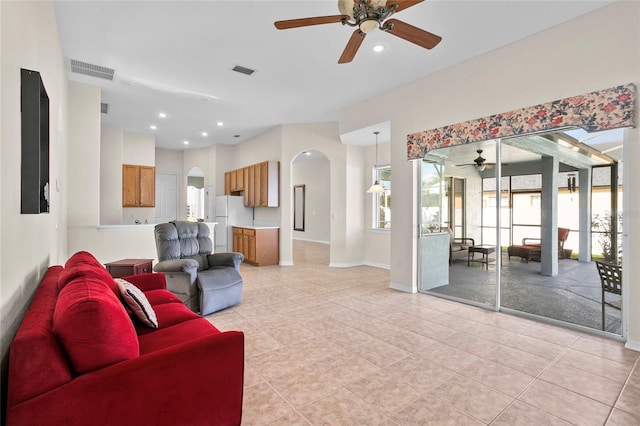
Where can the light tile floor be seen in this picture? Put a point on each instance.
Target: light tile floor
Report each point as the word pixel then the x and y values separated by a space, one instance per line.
pixel 337 346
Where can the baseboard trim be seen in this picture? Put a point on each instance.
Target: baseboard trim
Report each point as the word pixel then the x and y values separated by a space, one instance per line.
pixel 312 241
pixel 377 265
pixel 344 265
pixel 286 263
pixel 633 345
pixel 401 287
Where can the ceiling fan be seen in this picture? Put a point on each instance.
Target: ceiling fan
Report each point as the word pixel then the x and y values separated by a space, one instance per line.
pixel 479 163
pixel 366 16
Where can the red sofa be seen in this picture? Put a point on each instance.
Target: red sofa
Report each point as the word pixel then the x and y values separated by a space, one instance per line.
pixel 81 357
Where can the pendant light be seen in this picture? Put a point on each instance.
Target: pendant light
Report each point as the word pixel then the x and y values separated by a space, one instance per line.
pixel 376 187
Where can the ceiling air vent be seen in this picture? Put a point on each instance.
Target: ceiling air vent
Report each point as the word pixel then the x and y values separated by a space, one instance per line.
pixel 91 70
pixel 104 108
pixel 243 70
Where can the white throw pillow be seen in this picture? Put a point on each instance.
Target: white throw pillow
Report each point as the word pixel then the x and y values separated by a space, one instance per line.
pixel 137 302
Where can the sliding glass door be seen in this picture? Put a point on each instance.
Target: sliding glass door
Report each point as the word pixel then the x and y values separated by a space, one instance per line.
pixel 453 207
pixel 521 231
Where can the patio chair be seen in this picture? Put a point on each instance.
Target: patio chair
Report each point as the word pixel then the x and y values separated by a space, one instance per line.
pixel 611 282
pixel 531 247
pixel 458 247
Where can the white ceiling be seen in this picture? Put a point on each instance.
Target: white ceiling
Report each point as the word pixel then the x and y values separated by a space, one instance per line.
pixel 176 57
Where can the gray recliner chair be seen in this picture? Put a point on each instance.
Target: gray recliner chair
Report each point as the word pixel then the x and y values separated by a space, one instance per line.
pixel 206 282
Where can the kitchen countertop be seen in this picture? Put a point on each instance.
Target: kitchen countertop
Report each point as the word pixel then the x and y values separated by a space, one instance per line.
pixel 257 226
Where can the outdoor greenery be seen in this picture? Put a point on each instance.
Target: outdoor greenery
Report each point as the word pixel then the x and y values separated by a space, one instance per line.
pixel 601 228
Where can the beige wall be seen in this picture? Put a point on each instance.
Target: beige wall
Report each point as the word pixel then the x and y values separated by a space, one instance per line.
pixel 84 153
pixel 30 243
pixel 111 174
pixel 596 51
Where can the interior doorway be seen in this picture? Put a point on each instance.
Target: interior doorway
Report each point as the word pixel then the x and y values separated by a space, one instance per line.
pixel 195 195
pixel 310 170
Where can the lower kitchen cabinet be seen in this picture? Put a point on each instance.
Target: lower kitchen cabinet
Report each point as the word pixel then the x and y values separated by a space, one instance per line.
pixel 260 246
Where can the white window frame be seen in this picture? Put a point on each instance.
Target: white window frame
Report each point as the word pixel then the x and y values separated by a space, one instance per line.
pixel 380 197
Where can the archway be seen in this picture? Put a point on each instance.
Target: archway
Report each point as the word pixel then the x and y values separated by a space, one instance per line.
pixel 311 207
pixel 195 195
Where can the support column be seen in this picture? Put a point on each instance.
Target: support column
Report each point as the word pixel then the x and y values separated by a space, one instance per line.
pixel 584 191
pixel 549 231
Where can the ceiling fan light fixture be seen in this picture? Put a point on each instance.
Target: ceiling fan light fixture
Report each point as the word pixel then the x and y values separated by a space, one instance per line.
pixel 481 167
pixel 368 25
pixel 378 48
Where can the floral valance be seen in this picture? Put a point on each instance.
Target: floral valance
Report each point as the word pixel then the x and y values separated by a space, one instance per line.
pixel 602 110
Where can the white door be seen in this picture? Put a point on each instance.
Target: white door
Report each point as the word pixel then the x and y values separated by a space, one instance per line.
pixel 166 198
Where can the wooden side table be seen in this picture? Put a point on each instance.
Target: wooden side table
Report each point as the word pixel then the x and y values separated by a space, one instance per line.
pixel 486 250
pixel 124 267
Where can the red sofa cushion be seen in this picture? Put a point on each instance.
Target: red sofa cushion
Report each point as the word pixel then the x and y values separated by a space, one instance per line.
pixel 93 326
pixel 176 335
pixel 85 264
pixel 160 297
pixel 168 314
pixel 37 362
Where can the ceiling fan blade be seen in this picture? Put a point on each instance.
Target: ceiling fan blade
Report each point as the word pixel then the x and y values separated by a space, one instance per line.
pixel 306 22
pixel 402 4
pixel 352 47
pixel 410 33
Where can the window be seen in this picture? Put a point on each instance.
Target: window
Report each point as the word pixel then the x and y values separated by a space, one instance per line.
pixel 382 200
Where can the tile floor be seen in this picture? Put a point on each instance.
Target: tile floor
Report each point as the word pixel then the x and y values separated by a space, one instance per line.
pixel 336 346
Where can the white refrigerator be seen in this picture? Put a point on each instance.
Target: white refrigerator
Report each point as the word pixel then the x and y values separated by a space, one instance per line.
pixel 230 211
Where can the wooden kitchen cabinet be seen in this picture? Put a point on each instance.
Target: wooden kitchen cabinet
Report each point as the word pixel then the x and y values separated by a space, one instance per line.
pixel 260 246
pixel 234 182
pixel 237 240
pixel 227 183
pixel 263 185
pixel 259 183
pixel 138 186
pixel 249 192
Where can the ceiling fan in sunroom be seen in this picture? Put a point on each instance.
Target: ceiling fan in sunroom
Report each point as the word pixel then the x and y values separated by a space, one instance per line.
pixel 366 16
pixel 479 163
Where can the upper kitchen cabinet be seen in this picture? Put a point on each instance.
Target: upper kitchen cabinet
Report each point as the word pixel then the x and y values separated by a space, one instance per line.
pixel 234 182
pixel 259 183
pixel 262 184
pixel 138 186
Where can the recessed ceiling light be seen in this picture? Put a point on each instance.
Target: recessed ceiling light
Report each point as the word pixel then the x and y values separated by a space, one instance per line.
pixel 220 123
pixel 153 127
pixel 162 115
pixel 236 136
pixel 186 142
pixel 205 134
pixel 378 48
